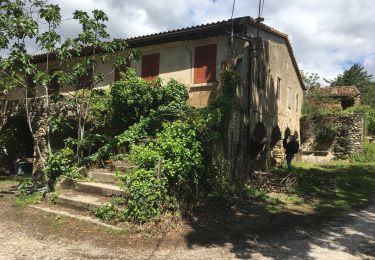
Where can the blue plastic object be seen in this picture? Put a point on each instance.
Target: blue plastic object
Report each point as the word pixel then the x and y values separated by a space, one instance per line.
pixel 21 168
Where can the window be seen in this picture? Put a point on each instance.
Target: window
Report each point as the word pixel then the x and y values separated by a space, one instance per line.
pixel 150 66
pixel 278 88
pixel 290 98
pixel 205 64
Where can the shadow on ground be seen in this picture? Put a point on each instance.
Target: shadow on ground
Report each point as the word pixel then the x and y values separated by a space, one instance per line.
pixel 250 229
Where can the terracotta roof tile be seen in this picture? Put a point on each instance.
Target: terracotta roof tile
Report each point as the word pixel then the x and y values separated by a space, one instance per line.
pixel 342 91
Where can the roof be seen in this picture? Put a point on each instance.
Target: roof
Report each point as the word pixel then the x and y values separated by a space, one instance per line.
pixel 199 32
pixel 342 91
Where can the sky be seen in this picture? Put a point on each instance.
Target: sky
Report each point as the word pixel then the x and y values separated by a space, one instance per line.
pixel 327 36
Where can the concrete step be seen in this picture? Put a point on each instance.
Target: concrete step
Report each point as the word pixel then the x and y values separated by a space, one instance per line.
pixel 71 213
pixel 120 166
pixel 103 176
pixel 81 201
pixel 100 189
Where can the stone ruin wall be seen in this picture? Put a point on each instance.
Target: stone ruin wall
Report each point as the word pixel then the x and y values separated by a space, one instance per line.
pixel 353 135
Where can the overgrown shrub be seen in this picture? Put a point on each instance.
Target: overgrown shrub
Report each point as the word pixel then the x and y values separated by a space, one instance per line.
pixel 182 156
pixel 107 212
pixel 325 134
pixel 59 164
pixel 181 153
pixel 139 108
pixel 211 124
pixel 317 102
pixel 147 195
pixel 168 168
pixel 133 98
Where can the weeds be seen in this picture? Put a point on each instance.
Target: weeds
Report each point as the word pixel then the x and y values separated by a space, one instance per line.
pixel 24 200
pixel 107 212
pixel 367 156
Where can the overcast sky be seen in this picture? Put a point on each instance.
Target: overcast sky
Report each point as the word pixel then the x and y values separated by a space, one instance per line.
pixel 327 36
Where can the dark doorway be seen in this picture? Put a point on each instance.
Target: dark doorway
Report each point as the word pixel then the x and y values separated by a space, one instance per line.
pixel 16 142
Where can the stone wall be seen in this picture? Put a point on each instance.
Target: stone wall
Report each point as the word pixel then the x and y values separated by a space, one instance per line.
pixel 39 115
pixel 348 137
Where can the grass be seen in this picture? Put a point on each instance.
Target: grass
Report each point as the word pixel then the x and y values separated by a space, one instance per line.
pixel 330 188
pixel 23 200
pixel 26 200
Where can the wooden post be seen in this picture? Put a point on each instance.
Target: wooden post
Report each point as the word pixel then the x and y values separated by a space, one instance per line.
pixel 160 168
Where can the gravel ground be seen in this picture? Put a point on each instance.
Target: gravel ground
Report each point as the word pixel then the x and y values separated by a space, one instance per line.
pixel 46 238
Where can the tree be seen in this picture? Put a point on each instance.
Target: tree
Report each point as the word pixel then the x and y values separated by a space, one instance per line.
pixel 18 20
pixel 21 21
pixel 311 80
pixel 357 75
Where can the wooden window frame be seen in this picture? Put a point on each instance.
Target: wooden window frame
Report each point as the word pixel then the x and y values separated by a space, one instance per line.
pixel 150 66
pixel 205 64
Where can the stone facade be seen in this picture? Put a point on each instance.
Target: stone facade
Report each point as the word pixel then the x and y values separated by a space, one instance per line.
pixel 348 138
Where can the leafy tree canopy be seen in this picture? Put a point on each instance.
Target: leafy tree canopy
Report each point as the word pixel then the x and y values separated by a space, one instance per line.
pixel 358 76
pixel 311 80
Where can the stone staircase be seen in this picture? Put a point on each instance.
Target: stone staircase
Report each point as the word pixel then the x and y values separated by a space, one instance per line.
pixel 84 197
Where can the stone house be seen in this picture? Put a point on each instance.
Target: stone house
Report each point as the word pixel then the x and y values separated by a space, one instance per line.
pixel 268 98
pixel 346 129
pixel 344 96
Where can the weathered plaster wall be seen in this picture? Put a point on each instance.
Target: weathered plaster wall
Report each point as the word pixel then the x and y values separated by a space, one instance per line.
pixel 177 62
pixel 277 105
pixel 261 115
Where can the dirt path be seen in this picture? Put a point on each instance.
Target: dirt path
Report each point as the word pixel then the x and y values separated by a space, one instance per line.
pixel 28 234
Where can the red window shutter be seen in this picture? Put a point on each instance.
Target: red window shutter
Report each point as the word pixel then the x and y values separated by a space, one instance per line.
pixel 205 64
pixel 150 66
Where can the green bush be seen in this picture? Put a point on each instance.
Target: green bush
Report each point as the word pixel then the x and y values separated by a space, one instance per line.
pixel 368 154
pixel 59 164
pixel 138 109
pixel 145 156
pixel 107 212
pixel 182 155
pixel 147 196
pixel 133 98
pixel 181 152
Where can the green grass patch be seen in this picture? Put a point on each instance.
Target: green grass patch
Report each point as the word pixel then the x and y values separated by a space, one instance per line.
pixel 24 200
pixel 366 156
pixel 336 186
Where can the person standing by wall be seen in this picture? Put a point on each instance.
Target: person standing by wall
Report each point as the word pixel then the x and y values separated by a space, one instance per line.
pixel 291 148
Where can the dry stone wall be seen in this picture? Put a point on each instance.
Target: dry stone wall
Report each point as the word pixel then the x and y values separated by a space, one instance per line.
pixel 39 116
pixel 347 140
